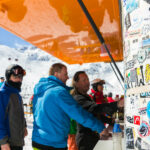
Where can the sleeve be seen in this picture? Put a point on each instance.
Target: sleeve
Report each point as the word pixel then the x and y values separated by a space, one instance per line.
pixel 109 108
pixel 104 119
pixel 90 106
pixel 77 113
pixel 3 126
pixel 94 108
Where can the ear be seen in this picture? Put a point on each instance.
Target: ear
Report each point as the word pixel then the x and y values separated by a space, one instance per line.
pixel 56 74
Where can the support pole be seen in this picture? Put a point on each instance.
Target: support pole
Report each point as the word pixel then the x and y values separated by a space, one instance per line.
pixel 99 35
pixel 116 75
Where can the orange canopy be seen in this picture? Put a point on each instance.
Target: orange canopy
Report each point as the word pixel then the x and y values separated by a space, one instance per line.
pixel 60 28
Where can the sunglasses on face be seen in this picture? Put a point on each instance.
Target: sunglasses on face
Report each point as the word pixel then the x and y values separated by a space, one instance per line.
pixel 19 72
pixel 18 76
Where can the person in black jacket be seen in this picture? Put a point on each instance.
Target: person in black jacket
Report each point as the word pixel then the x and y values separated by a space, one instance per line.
pixel 13 126
pixel 86 139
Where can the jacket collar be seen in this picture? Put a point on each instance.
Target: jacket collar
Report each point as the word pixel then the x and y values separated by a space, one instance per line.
pixel 6 86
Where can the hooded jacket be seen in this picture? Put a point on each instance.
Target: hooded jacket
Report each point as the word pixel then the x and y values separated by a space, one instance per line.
pixel 12 121
pixel 53 106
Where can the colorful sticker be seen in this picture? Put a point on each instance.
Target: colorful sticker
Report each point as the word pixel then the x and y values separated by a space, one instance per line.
pixel 148 110
pixel 144 129
pixel 129 138
pixel 141 55
pixel 141 145
pixel 131 5
pixel 137 120
pixel 127 21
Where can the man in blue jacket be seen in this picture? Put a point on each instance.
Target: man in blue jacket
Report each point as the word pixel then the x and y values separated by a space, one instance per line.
pixel 53 106
pixel 12 121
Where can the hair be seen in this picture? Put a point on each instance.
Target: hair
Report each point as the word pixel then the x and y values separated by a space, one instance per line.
pixel 2 78
pixel 109 94
pixel 74 82
pixel 57 67
pixel 95 86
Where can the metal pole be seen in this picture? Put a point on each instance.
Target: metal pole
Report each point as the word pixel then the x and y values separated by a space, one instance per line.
pixel 99 35
pixel 116 75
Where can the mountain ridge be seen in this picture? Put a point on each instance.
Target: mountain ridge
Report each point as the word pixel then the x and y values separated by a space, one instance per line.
pixel 37 64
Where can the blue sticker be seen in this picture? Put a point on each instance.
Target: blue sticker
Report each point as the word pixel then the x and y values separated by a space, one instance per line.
pixel 148 110
pixel 146 42
pixel 131 5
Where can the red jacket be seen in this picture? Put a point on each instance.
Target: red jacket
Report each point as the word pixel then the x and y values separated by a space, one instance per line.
pixel 97 97
pixel 110 100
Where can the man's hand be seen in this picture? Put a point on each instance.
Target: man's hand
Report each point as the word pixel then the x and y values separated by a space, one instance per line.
pixel 104 135
pixel 25 132
pixel 5 147
pixel 120 103
pixel 110 128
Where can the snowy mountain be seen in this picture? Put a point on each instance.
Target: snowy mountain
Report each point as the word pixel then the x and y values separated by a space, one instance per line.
pixel 37 64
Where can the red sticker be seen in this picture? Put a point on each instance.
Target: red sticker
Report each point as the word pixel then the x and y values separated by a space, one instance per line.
pixel 137 120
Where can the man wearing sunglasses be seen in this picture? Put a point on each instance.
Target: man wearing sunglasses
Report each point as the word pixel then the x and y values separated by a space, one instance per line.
pixel 12 121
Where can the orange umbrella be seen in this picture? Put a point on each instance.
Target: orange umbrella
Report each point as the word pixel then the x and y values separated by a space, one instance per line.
pixel 61 28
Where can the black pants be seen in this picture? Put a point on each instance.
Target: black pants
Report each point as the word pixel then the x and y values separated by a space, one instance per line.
pixel 15 148
pixel 44 147
pixel 86 142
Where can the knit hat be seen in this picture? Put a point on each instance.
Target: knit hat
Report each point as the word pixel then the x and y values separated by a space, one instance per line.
pixel 15 70
pixel 98 81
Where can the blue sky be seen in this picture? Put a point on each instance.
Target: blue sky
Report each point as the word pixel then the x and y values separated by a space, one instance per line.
pixel 9 39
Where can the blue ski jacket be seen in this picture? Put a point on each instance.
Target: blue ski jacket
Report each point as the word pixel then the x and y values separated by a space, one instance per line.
pixel 53 106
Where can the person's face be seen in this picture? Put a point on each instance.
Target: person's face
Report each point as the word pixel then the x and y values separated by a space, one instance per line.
pixel 62 75
pixel 100 88
pixel 83 84
pixel 2 80
pixel 18 78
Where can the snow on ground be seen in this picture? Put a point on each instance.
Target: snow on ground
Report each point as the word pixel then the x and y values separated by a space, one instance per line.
pixel 28 140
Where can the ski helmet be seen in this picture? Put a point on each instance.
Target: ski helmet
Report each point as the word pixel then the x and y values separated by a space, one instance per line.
pixel 15 70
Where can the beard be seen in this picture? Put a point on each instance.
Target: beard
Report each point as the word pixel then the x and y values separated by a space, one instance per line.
pixel 16 85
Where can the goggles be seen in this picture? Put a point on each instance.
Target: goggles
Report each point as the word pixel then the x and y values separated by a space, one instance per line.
pixel 20 76
pixel 18 72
